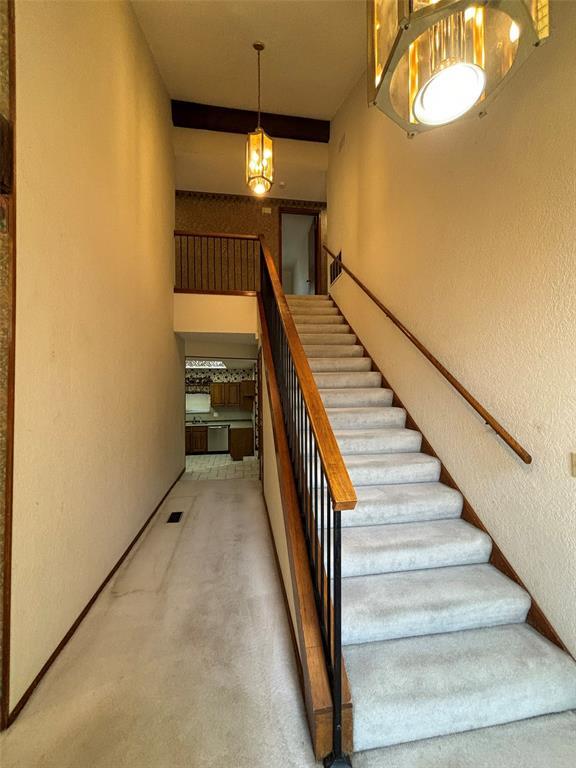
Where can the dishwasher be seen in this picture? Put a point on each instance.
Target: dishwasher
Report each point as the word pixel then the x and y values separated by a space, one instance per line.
pixel 218 438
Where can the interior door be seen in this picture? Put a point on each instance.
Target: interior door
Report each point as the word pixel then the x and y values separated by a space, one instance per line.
pixel 312 257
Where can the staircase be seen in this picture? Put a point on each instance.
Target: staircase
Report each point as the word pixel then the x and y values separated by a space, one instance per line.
pixel 435 639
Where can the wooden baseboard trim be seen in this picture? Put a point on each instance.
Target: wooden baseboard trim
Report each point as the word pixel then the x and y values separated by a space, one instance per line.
pixel 536 616
pixel 61 645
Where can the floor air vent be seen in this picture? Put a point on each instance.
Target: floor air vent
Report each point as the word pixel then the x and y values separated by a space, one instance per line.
pixel 174 517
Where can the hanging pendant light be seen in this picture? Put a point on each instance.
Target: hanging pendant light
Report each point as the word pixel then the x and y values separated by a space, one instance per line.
pixel 432 61
pixel 259 150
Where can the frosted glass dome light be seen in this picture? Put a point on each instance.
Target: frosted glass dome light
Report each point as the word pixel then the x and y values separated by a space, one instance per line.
pixel 449 94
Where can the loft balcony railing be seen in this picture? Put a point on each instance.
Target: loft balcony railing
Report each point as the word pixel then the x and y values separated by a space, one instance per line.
pixel 216 263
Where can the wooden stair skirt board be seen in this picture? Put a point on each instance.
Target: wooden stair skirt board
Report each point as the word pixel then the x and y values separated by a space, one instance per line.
pixel 309 651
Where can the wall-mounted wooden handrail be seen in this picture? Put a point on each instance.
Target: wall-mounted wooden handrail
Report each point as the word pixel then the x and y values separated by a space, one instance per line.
pixel 337 477
pixel 488 418
pixel 228 235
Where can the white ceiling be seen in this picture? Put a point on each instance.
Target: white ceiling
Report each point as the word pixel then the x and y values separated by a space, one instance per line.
pixel 315 51
pixel 208 161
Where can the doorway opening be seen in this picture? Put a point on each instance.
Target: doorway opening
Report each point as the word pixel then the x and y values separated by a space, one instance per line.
pixel 300 251
pixel 222 413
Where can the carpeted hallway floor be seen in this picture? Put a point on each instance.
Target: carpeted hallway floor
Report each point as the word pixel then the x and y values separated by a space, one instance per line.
pixel 186 661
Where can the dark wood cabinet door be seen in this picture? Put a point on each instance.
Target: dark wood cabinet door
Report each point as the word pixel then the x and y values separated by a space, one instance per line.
pixel 241 443
pixel 199 439
pixel 188 441
pixel 217 393
pixel 233 393
pixel 247 388
pixel 196 440
pixel 247 394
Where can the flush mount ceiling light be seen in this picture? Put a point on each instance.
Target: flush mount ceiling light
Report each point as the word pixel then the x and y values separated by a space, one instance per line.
pixel 259 150
pixel 190 363
pixel 433 61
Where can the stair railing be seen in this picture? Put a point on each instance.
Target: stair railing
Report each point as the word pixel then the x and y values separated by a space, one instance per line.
pixel 488 418
pixel 323 485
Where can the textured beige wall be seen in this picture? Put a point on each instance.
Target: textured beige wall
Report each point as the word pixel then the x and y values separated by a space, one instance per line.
pixel 468 235
pixel 274 500
pixel 99 372
pixel 204 346
pixel 202 313
pixel 212 161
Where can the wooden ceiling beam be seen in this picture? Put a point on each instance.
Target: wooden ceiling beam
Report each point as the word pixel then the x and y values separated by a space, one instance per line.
pixel 205 117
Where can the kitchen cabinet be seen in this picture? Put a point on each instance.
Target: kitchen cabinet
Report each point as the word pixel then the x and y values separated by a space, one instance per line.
pixel 233 393
pixel 247 394
pixel 241 443
pixel 196 440
pixel 217 393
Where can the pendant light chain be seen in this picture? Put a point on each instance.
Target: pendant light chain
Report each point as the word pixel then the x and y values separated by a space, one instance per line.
pixel 258 51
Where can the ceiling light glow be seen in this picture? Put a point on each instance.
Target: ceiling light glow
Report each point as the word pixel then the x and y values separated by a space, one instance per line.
pixel 449 94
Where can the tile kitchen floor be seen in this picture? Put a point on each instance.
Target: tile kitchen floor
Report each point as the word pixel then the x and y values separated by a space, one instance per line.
pixel 219 466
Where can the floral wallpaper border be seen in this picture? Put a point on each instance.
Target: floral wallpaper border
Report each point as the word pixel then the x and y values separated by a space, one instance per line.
pixel 198 381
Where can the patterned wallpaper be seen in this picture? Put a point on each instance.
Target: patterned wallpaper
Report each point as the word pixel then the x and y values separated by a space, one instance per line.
pixel 199 380
pixel 237 214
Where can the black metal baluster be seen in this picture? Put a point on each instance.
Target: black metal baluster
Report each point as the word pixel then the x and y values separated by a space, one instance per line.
pixel 328 578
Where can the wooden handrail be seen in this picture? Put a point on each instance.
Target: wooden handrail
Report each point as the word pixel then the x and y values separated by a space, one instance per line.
pixel 337 477
pixel 228 235
pixel 488 418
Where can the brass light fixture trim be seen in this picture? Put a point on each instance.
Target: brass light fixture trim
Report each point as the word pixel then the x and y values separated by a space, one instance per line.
pixel 433 61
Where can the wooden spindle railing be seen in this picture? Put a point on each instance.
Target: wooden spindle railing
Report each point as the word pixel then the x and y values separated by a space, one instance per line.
pixel 215 262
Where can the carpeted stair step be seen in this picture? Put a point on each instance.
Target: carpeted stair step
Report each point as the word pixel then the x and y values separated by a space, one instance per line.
pixel 412 603
pixel 308 297
pixel 340 398
pixel 421 687
pixel 339 364
pixel 330 319
pixel 327 338
pixel 348 379
pixel 366 418
pixel 403 503
pixel 384 468
pixel 321 310
pixel 548 741
pixel 333 350
pixel 318 327
pixel 388 440
pixel 303 304
pixel 370 550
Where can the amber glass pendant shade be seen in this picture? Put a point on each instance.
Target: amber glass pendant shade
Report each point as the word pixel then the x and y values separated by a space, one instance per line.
pixel 434 61
pixel 259 162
